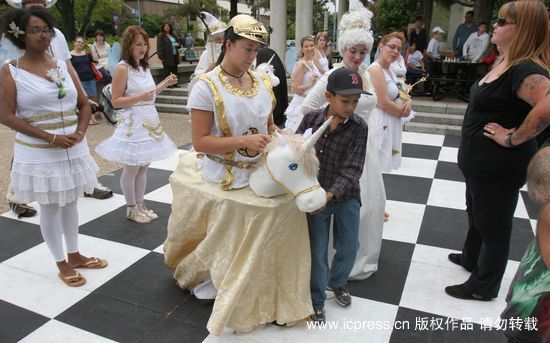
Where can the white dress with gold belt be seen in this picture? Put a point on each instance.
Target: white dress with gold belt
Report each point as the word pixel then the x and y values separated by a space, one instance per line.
pixel 42 172
pixel 139 138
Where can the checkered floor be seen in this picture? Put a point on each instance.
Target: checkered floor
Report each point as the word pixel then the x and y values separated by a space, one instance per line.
pixel 135 298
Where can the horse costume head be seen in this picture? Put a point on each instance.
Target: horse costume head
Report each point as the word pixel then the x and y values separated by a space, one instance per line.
pixel 290 166
pixel 268 69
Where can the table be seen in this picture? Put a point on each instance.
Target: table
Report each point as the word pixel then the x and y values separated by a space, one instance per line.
pixel 448 74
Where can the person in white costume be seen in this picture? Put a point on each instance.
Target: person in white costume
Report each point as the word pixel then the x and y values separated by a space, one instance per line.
pixel 355 42
pixel 139 138
pixel 213 47
pixel 320 57
pixel 52 164
pixel 304 76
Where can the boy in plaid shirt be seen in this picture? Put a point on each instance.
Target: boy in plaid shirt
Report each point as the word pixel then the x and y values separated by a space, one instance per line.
pixel 341 153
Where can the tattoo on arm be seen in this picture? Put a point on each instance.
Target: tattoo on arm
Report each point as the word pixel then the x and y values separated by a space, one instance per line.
pixel 533 88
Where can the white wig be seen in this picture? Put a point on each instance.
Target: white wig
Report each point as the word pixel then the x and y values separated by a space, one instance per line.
pixel 355 27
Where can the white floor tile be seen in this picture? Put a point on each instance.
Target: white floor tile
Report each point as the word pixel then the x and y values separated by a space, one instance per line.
pixel 38 261
pixel 445 193
pixel 160 249
pixel 55 331
pixel 423 138
pixel 534 225
pixel 88 209
pixel 405 221
pixel 521 211
pixel 168 164
pixel 416 167
pixel 448 154
pixel 163 194
pixel 430 272
pixel 350 324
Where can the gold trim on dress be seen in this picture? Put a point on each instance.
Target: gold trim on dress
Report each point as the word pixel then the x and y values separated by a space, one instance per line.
pixel 48 116
pixel 269 88
pixel 235 91
pixel 35 145
pixel 60 125
pixel 155 130
pixel 223 126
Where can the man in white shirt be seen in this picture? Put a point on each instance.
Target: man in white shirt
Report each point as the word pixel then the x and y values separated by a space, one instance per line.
pixel 432 52
pixel 476 44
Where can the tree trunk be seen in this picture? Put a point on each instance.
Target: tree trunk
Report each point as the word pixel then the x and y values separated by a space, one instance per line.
pixel 87 17
pixel 426 8
pixel 68 25
pixel 233 9
pixel 483 10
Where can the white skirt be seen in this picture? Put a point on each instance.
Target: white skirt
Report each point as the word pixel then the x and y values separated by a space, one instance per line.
pixel 136 153
pixel 60 182
pixel 294 114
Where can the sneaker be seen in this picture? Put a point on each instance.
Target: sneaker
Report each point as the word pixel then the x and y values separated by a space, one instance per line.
pixel 137 216
pixel 343 298
pixel 22 210
pixel 318 314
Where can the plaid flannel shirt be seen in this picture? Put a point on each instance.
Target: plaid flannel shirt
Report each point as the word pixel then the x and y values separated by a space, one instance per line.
pixel 341 153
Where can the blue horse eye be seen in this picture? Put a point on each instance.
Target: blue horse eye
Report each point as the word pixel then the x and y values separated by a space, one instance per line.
pixel 293 166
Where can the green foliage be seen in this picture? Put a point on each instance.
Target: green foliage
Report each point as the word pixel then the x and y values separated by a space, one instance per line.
pixel 199 42
pixel 149 22
pixel 393 15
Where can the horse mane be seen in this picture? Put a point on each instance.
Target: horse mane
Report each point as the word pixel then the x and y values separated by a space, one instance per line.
pixel 308 159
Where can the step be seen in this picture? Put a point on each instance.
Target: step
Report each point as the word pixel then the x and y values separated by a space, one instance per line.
pixel 421 105
pixel 179 91
pixel 438 118
pixel 171 108
pixel 439 129
pixel 171 99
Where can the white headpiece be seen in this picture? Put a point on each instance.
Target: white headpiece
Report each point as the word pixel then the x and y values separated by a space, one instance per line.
pixel 21 3
pixel 214 25
pixel 355 27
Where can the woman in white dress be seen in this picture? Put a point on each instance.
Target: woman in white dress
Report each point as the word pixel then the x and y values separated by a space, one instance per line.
pixel 304 76
pixel 227 243
pixel 320 57
pixel 389 108
pixel 52 164
pixel 139 138
pixel 355 41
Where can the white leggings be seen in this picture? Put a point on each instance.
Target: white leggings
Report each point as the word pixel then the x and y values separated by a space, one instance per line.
pixel 132 182
pixel 57 221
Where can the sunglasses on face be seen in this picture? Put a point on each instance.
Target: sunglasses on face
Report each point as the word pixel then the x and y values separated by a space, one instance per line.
pixel 502 21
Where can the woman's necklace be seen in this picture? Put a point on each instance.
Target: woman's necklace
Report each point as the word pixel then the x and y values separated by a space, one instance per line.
pixel 239 78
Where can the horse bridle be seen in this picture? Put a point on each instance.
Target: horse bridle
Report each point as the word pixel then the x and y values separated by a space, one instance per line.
pixel 294 195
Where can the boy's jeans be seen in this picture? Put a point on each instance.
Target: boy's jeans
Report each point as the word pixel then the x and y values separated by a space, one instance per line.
pixel 345 242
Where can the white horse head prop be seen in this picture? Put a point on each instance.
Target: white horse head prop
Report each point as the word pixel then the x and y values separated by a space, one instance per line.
pixel 268 69
pixel 290 166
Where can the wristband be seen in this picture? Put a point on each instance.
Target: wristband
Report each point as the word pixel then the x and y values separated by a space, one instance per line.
pixel 508 141
pixel 80 133
pixel 53 139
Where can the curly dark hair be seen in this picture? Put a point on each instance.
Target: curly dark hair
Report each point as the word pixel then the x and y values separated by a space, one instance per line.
pixel 20 17
pixel 171 32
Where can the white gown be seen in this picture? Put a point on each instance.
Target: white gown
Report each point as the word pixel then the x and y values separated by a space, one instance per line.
pixel 139 138
pixel 373 193
pixel 293 112
pixel 40 171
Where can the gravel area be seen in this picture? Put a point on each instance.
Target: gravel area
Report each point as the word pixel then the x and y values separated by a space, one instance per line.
pixel 177 126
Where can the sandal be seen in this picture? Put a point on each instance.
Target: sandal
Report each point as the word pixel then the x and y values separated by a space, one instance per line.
pixel 149 213
pixel 137 216
pixel 75 280
pixel 93 122
pixel 93 263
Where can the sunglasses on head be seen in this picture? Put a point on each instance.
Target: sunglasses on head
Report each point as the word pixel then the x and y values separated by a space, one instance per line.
pixel 503 21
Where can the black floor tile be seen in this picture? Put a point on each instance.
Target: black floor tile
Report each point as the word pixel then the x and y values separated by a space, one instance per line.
pixel 111 318
pixel 531 207
pixel 152 285
pixel 386 285
pixel 443 227
pixel 156 178
pixel 186 324
pixel 448 171
pixel 17 322
pixel 439 329
pixel 114 226
pixel 17 237
pixel 522 235
pixel 421 151
pixel 452 141
pixel 407 188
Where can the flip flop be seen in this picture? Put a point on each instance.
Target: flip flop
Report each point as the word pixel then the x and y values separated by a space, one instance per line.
pixel 93 263
pixel 93 123
pixel 75 280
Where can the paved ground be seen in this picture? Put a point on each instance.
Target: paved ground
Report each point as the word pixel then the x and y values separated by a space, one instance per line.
pixel 177 126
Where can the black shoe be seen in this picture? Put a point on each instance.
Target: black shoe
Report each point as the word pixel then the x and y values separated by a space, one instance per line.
pixel 343 298
pixel 100 192
pixel 460 292
pixel 22 210
pixel 205 302
pixel 457 259
pixel 318 314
